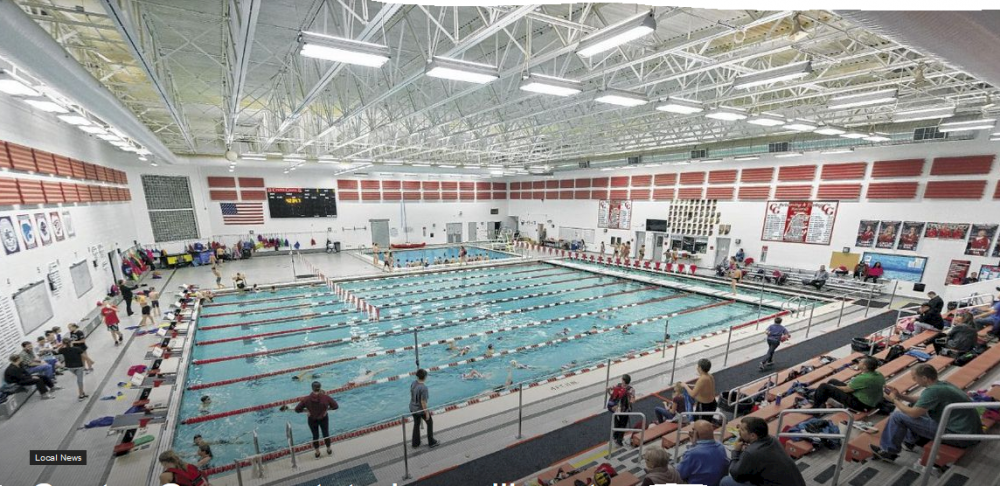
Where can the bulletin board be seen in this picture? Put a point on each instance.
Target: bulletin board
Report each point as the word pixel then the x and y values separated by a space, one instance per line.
pixel 80 273
pixel 33 306
pixel 849 260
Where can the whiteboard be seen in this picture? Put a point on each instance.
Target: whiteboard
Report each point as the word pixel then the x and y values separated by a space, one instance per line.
pixel 566 233
pixel 81 277
pixel 33 306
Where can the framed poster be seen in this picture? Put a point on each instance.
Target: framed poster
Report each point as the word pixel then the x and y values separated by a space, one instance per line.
pixel 809 222
pixel 909 237
pixel 957 271
pixel 887 231
pixel 614 214
pixel 866 233
pixel 946 231
pixel 603 208
pixel 980 238
pixel 8 235
pixel 625 214
pixel 68 224
pixel 42 226
pixel 57 228
pixel 989 272
pixel 898 267
pixel 27 231
pixel 996 250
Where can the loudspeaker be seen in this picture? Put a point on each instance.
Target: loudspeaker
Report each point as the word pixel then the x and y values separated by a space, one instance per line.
pixel 918 287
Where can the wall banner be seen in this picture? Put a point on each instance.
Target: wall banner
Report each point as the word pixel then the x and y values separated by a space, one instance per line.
pixel 809 222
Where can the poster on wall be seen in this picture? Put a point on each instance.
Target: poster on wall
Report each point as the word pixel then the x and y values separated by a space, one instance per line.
pixel 887 232
pixel 614 214
pixel 909 237
pixel 808 222
pixel 996 250
pixel 957 271
pixel 42 226
pixel 9 235
pixel 946 231
pixel 898 267
pixel 625 215
pixel 989 272
pixel 27 231
pixel 866 233
pixel 603 208
pixel 68 224
pixel 980 238
pixel 57 227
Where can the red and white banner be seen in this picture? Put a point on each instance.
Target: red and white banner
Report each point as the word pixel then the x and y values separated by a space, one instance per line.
pixel 808 222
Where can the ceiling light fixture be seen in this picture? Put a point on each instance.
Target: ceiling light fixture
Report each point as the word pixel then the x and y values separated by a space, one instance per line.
pixel 854 135
pixel 15 86
pixel 294 159
pixel 923 114
pixel 710 161
pixel 74 119
pixel 453 69
pixel 45 105
pixel 253 157
pixel 766 120
pixel 681 106
pixel 829 130
pixel 864 99
pixel 320 46
pixel 92 129
pixel 446 166
pixel 746 157
pixel 539 83
pixel 613 36
pixel 837 151
pixel 727 113
pixel 801 125
pixel 877 138
pixel 982 124
pixel 775 75
pixel 789 154
pixel 421 165
pixel 621 98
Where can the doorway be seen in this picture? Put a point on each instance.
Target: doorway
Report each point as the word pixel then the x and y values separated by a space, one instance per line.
pixel 640 242
pixel 454 232
pixel 541 233
pixel 473 232
pixel 380 232
pixel 658 241
pixel 494 230
pixel 721 251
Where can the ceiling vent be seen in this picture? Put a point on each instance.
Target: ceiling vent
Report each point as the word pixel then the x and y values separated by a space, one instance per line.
pixel 777 147
pixel 699 154
pixel 928 133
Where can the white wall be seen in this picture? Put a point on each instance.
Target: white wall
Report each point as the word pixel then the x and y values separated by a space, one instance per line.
pixel 746 217
pixel 96 224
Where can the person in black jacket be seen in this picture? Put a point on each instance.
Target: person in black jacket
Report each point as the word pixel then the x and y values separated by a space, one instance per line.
pixel 759 460
pixel 928 320
pixel 126 295
pixel 16 375
pixel 935 302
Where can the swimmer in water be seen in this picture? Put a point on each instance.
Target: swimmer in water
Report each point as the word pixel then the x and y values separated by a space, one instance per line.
pixel 365 375
pixel 564 332
pixel 568 365
pixel 593 329
pixel 206 402
pixel 519 366
pixel 473 375
pixel 489 351
pixel 625 329
pixel 604 316
pixel 465 351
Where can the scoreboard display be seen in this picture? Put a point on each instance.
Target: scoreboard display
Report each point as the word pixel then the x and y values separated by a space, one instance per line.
pixel 297 202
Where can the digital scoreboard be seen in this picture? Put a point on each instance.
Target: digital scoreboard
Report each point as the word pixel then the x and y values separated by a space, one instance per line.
pixel 296 202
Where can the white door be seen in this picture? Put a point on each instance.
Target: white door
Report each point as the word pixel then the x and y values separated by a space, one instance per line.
pixel 380 232
pixel 658 241
pixel 454 231
pixel 721 251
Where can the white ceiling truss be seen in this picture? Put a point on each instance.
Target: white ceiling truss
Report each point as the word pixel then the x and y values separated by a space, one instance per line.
pixel 205 76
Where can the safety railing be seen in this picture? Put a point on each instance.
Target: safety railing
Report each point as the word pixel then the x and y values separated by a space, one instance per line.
pixel 737 397
pixel 942 433
pixel 680 426
pixel 641 429
pixel 844 437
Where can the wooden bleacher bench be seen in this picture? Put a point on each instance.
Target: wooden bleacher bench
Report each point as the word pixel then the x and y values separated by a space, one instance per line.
pixel 948 455
pixel 905 383
pixel 781 378
pixel 624 478
pixel 653 433
pixel 549 474
pixel 814 376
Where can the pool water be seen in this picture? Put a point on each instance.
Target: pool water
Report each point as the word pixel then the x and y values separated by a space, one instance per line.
pixel 273 327
pixel 446 252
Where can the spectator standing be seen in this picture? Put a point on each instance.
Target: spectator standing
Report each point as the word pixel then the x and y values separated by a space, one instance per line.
pixel 318 404
pixel 703 391
pixel 74 363
pixel 759 459
pixel 862 393
pixel 916 424
pixel 602 249
pixel 776 334
pixel 875 272
pixel 624 405
pixel 126 296
pixel 705 462
pixel 935 302
pixel 658 469
pixel 740 255
pixel 419 395
pixel 78 339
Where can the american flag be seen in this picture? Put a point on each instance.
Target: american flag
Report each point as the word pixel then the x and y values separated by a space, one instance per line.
pixel 242 213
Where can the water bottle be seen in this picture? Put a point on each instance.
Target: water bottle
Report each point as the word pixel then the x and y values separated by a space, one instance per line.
pixel 777 401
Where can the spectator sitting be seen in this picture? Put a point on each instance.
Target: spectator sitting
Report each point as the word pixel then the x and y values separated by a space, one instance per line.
pixel 32 365
pixel 951 314
pixel 959 340
pixel 740 255
pixel 860 270
pixel 915 425
pixel 759 459
pixel 818 279
pixel 874 272
pixel 705 462
pixel 747 262
pixel 928 320
pixel 841 271
pixel 658 469
pixel 676 405
pixel 990 318
pixel 15 374
pixel 864 392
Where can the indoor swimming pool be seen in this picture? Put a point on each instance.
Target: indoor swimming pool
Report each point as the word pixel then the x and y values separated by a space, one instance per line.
pixel 256 352
pixel 441 253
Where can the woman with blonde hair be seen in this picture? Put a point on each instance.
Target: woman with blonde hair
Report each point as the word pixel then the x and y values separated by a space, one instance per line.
pixel 176 471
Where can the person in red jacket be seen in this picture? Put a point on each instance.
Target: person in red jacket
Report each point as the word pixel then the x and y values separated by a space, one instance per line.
pixel 176 471
pixel 110 315
pixel 318 404
pixel 980 243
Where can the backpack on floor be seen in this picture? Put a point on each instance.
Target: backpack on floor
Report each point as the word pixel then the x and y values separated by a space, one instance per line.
pixel 894 352
pixel 965 358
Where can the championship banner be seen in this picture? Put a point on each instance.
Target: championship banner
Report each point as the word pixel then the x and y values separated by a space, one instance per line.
pixel 809 222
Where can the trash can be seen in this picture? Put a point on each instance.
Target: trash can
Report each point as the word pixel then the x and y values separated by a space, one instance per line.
pixel 336 247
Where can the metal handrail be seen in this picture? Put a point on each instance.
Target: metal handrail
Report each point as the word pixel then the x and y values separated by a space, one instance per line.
pixel 641 430
pixel 941 434
pixel 844 437
pixel 772 381
pixel 680 425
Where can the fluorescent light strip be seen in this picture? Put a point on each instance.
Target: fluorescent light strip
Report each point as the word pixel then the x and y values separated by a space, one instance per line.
pixel 923 114
pixel 854 135
pixel 828 130
pixel 747 157
pixel 537 83
pixel 863 99
pixel 616 35
pixel 800 126
pixel 15 87
pixel 727 113
pixel 837 151
pixel 681 106
pixel 877 138
pixel 789 154
pixel 455 70
pixel 784 73
pixel 983 124
pixel 621 98
pixel 46 105
pixel 91 129
pixel 74 119
pixel 347 51
pixel 766 120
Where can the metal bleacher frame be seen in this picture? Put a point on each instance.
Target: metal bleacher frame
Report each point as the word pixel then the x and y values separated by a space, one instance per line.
pixel 680 426
pixel 942 435
pixel 641 430
pixel 844 437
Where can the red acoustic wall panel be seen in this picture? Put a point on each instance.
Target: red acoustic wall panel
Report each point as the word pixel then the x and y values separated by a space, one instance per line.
pixel 128 194
pixel 45 163
pixel 347 184
pixel 754 193
pixel 892 190
pixel 63 166
pixel 53 192
pixel 432 195
pixel 69 192
pixel 642 181
pixel 601 182
pixel 565 194
pixel 665 179
pixel 90 170
pixel 536 185
pixel 977 164
pixel 347 195
pixel 449 186
pixel 500 195
pixel 106 193
pixel 391 185
pixel 252 182
pixel 411 196
pixel 449 196
pixel 370 185
pixel 4 157
pixel 515 186
pixel 467 196
pixel 955 190
pixel 996 192
pixel 689 193
pixel 584 194
pixel 553 184
pixel 9 193
pixel 888 169
pixel 722 177
pixel 797 173
pixel 663 194
pixel 793 192
pixel 221 182
pixel 619 194
pixel 371 196
pixel 411 185
pixel 102 173
pixel 567 183
pixel 431 185
pixel 467 186
pixel 599 194
pixel 692 178
pixel 223 195
pixel 485 186
pixel 499 186
pixel 639 194
pixel 839 191
pixel 838 172
pixel 31 191
pixel 583 183
pixel 253 195
pixel 21 157
pixel 757 174
pixel 619 182
pixel 79 172
pixel 724 193
pixel 392 196
pixel 483 196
